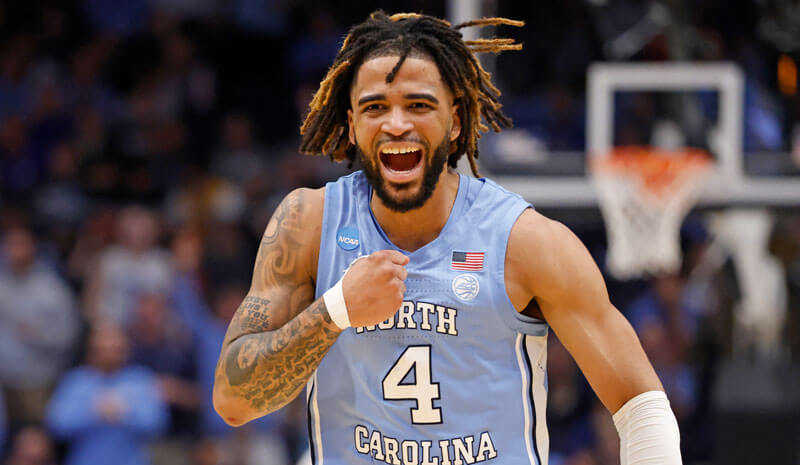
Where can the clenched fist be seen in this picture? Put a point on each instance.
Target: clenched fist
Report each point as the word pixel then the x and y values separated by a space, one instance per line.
pixel 374 286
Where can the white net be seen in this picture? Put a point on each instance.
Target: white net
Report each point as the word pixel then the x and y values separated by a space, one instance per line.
pixel 644 195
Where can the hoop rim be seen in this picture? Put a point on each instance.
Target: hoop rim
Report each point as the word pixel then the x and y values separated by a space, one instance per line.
pixel 658 172
pixel 643 158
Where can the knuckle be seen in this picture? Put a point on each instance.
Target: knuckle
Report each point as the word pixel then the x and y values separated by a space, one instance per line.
pixel 387 269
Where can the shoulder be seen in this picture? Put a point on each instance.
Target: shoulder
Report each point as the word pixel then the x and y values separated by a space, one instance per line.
pixel 301 211
pixel 304 204
pixel 544 256
pixel 534 233
pixel 294 231
pixel 493 193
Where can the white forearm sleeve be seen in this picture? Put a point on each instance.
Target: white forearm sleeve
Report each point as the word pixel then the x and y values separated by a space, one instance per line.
pixel 648 431
pixel 334 302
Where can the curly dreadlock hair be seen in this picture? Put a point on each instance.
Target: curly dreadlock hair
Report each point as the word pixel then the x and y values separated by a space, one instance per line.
pixel 324 131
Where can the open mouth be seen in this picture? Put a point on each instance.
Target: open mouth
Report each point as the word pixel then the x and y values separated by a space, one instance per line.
pixel 401 161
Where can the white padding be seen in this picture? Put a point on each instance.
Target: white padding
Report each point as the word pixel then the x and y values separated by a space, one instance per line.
pixel 648 431
pixel 337 309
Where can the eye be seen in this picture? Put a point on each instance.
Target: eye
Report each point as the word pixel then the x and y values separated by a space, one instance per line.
pixel 420 106
pixel 373 107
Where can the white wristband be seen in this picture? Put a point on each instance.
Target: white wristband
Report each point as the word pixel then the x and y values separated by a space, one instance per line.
pixel 648 431
pixel 337 309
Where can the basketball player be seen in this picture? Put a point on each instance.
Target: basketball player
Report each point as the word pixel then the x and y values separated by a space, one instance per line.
pixel 414 302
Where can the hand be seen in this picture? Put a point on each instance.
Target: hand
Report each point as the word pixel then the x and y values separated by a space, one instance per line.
pixel 374 286
pixel 110 406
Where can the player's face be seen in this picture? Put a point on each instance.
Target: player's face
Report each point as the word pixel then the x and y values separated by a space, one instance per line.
pixel 402 130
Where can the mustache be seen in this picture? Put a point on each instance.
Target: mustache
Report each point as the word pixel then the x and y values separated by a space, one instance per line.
pixel 399 139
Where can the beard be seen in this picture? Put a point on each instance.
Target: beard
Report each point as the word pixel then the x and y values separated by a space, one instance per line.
pixel 430 177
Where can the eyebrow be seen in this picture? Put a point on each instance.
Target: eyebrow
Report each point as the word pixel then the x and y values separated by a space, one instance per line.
pixel 427 97
pixel 374 97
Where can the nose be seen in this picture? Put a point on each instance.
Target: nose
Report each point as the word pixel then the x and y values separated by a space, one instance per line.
pixel 397 122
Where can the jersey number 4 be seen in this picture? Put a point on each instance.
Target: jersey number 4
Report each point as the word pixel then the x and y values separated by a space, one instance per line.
pixel 422 389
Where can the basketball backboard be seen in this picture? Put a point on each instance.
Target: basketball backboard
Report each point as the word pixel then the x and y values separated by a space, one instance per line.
pixel 731 183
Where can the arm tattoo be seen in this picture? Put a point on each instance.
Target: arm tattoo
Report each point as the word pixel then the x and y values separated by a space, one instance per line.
pixel 274 344
pixel 276 262
pixel 254 317
pixel 268 369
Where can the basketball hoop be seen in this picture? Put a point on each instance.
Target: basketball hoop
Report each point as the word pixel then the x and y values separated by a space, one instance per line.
pixel 644 194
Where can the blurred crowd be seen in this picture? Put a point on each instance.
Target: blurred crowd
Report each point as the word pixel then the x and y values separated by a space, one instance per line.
pixel 143 147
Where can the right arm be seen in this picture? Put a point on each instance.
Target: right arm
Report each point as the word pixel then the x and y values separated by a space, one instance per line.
pixel 278 335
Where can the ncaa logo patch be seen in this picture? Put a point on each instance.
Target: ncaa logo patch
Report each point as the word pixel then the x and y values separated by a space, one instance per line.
pixel 466 287
pixel 347 237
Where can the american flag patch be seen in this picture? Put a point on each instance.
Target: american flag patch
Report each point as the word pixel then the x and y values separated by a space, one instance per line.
pixel 467 261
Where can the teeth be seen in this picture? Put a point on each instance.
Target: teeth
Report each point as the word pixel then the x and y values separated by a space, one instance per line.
pixel 398 151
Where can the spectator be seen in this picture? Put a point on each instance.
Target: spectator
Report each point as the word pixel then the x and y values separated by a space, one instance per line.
pixel 261 441
pixel 240 159
pixel 133 266
pixel 39 324
pixel 95 235
pixel 312 53
pixel 90 133
pixel 60 203
pixel 226 254
pixel 185 80
pixel 20 171
pixel 162 344
pixel 107 410
pixel 606 441
pixel 569 405
pixel 31 446
pixel 50 121
pixel 666 302
pixel 16 93
pixel 673 370
pixel 190 85
pixel 202 199
pixel 85 86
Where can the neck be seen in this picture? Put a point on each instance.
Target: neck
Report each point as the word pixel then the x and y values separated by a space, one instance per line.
pixel 413 229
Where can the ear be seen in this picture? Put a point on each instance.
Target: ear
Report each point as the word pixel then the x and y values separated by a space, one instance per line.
pixel 350 133
pixel 455 128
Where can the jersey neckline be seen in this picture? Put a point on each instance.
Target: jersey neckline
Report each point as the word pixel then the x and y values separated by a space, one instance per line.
pixel 441 240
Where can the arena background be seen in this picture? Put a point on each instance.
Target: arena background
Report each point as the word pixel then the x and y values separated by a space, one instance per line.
pixel 144 145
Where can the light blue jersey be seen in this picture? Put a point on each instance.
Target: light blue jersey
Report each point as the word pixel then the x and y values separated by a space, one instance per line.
pixel 457 376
